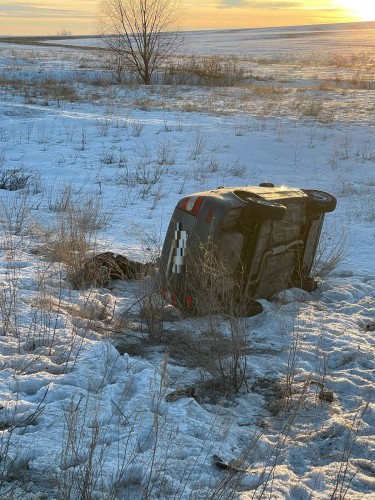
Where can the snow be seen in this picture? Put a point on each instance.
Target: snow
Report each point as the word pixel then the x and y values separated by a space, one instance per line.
pixel 84 410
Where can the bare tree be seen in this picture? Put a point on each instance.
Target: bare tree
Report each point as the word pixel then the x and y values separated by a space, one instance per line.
pixel 140 32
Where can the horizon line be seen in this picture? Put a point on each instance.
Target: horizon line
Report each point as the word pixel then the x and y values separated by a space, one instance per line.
pixel 257 28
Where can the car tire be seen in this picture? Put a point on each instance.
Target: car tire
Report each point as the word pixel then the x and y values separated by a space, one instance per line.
pixel 265 209
pixel 253 307
pixel 242 309
pixel 320 201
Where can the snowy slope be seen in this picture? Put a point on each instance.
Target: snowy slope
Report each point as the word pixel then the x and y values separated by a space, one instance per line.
pixel 85 405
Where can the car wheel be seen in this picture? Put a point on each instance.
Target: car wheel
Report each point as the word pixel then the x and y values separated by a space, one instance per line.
pixel 253 307
pixel 265 209
pixel 320 201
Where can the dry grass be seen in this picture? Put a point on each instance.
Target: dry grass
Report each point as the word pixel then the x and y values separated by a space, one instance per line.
pixel 265 86
pixel 211 71
pixel 332 249
pixel 73 239
pixel 220 359
pixel 266 90
pixel 46 89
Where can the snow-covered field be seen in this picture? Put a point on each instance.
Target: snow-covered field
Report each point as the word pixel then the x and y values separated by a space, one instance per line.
pixel 88 401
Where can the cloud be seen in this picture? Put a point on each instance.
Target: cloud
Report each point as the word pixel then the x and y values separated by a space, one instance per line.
pixel 258 4
pixel 302 5
pixel 233 3
pixel 31 10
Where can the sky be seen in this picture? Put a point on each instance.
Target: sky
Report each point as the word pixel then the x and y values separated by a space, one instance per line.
pixel 78 17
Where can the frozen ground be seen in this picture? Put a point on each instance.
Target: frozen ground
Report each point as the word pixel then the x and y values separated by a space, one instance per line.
pixel 85 405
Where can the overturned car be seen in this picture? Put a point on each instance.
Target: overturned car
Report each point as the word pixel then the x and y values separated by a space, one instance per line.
pixel 227 247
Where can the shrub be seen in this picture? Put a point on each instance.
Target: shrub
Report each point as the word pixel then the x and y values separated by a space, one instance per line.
pixel 72 240
pixel 13 179
pixel 332 249
pixel 211 71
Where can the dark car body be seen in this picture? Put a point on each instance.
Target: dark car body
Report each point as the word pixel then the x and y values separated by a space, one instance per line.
pixel 232 245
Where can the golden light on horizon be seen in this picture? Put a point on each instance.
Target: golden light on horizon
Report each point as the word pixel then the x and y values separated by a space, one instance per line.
pixel 43 17
pixel 363 9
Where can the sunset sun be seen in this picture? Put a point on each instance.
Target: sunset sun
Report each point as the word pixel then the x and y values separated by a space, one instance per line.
pixel 361 8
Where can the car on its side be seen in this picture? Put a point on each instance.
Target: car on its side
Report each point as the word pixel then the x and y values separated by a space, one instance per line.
pixel 227 247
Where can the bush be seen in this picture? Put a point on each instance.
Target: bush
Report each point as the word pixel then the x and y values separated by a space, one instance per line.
pixel 211 71
pixel 72 241
pixel 13 179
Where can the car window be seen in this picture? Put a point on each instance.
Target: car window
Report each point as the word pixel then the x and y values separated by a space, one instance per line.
pixel 230 248
pixel 231 240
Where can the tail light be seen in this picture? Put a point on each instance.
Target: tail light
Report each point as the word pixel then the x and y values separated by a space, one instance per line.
pixel 191 204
